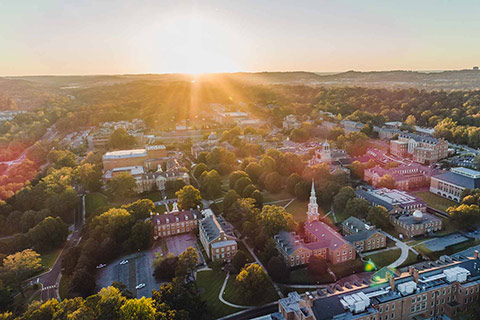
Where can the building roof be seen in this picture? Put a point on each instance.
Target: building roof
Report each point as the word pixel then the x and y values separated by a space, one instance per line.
pixel 353 223
pixel 211 227
pixel 325 234
pixel 181 216
pixel 458 179
pixel 361 235
pixel 410 219
pixel 224 243
pixel 390 198
pixel 156 147
pixel 121 154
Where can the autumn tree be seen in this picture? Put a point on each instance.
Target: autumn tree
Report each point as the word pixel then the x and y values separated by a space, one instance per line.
pixel 19 266
pixel 252 279
pixel 189 197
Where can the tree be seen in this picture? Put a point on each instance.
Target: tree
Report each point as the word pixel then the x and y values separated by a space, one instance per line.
pixel 188 197
pixel 120 139
pixel 142 235
pixel 164 267
pixel 464 215
pixel 356 207
pixel 140 209
pixel 379 217
pixel 278 269
pixel 62 158
pixel 292 181
pixel 187 261
pixel 239 260
pixel 258 197
pixel 273 182
pixel 317 265
pixel 248 191
pixel 49 233
pixel 387 181
pixel 109 303
pixel 122 186
pixel 199 169
pixel 254 171
pixel 234 176
pixel 211 184
pixel 141 309
pixel 341 198
pixel 241 183
pixel 21 265
pixel 230 199
pixel 274 218
pixel 302 190
pixel 252 279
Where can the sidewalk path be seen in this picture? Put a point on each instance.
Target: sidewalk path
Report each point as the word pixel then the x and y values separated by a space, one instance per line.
pixel 220 296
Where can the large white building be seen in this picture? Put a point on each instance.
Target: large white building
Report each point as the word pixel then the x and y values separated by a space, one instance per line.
pixel 451 183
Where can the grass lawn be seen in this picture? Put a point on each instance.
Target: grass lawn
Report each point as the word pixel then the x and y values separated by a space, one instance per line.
pixel 234 294
pixel 345 269
pixel 301 276
pixel 94 201
pixel 411 259
pixel 385 258
pixel 153 195
pixel 64 284
pixel 48 258
pixel 210 283
pixel 298 209
pixel 435 201
pixel 242 247
pixel 270 197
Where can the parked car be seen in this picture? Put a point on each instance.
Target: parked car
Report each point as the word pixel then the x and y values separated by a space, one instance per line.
pixel 140 286
pixel 102 265
pixel 124 262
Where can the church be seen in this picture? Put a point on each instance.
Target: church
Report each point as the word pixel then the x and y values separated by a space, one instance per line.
pixel 320 240
pixel 326 154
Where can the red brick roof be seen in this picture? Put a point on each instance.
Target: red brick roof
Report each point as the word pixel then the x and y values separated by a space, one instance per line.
pixel 326 236
pixel 187 215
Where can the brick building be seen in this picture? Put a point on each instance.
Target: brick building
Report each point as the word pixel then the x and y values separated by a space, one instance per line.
pixel 435 293
pixel 320 240
pixel 451 183
pixel 422 149
pixel 363 236
pixel 176 222
pixel 217 238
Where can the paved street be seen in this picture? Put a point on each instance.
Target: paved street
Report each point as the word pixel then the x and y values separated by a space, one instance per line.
pixel 50 279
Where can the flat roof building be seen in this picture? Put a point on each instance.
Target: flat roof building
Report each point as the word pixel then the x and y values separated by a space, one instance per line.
pixel 451 183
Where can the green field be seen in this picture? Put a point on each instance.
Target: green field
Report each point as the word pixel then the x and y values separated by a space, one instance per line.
pixel 411 259
pixel 298 209
pixel 271 197
pixel 434 255
pixel 210 283
pixel 94 201
pixel 385 258
pixel 301 276
pixel 345 269
pixel 435 201
pixel 233 294
pixel 63 287
pixel 48 258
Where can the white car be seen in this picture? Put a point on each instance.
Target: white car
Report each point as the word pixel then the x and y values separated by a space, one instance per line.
pixel 102 265
pixel 140 286
pixel 124 262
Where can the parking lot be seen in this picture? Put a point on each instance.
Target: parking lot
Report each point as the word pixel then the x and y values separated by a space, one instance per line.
pixel 139 267
pixel 441 243
pixel 138 270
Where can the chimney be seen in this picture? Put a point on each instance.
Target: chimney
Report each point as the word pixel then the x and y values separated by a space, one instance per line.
pixel 415 275
pixel 392 282
pixel 475 254
pixel 309 298
pixel 410 270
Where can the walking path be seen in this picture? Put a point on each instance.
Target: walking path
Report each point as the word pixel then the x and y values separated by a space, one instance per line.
pixel 220 296
pixel 404 255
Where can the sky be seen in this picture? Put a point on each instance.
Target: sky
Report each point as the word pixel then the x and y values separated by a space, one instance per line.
pixel 67 37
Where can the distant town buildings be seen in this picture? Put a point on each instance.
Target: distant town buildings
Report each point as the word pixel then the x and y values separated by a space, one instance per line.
pixel 325 154
pixel 229 118
pixel 217 238
pixel 451 183
pixel 352 126
pixel 320 240
pixel 434 293
pixel 422 149
pixel 290 122
pixel 362 236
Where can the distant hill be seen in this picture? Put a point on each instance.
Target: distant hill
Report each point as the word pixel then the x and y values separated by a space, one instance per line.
pixel 31 91
pixel 18 94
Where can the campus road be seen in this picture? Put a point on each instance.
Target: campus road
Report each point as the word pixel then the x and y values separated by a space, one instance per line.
pixel 51 279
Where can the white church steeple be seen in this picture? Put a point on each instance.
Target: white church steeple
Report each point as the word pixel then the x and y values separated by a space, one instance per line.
pixel 312 213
